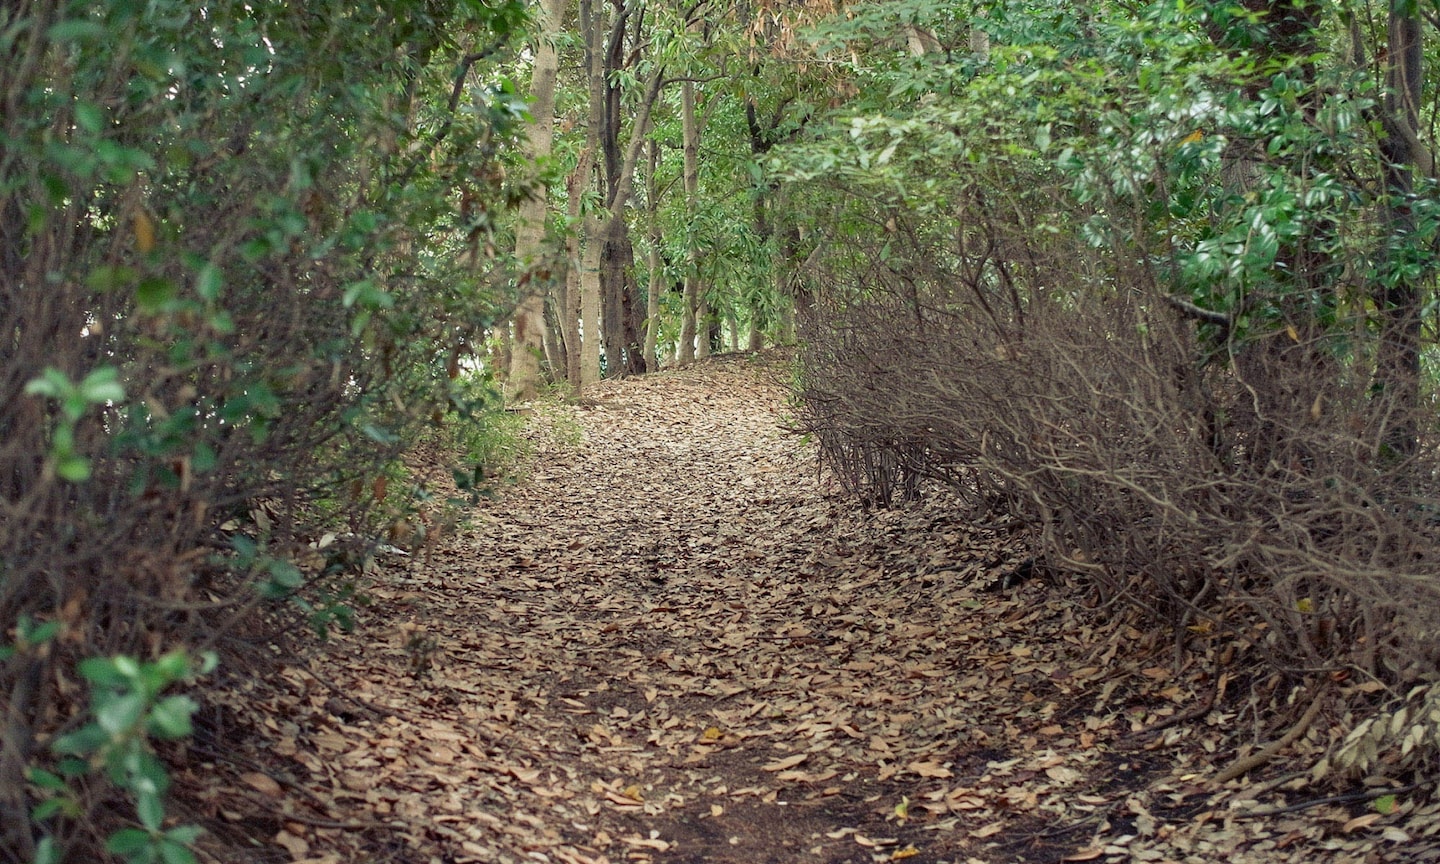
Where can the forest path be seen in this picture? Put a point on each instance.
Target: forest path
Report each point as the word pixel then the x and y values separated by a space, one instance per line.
pixel 670 644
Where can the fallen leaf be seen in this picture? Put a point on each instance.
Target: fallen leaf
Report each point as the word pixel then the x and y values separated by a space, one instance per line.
pixel 929 769
pixel 787 762
pixel 263 784
pixel 1363 821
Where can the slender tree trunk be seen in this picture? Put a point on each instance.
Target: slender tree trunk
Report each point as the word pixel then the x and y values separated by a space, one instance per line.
pixel 590 301
pixel 622 349
pixel 575 187
pixel 590 288
pixel 529 321
pixel 653 289
pixel 690 133
pixel 1397 372
pixel 554 339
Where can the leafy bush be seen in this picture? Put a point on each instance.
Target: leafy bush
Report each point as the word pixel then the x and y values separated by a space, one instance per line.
pixel 243 251
pixel 1150 295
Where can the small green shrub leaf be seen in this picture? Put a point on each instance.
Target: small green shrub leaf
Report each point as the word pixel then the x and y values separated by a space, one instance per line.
pixel 128 842
pixel 121 714
pixel 171 718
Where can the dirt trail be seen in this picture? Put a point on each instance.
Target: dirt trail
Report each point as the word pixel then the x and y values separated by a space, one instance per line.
pixel 672 644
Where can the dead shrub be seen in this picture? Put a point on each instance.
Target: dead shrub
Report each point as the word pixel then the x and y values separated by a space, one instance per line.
pixel 1237 490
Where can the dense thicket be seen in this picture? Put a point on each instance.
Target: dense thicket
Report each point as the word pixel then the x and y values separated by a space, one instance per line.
pixel 1157 285
pixel 242 255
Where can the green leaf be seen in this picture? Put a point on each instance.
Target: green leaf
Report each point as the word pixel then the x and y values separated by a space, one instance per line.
pixel 102 385
pixel 102 671
pixel 208 282
pixel 52 383
pixel 46 852
pixel 82 742
pixel 121 714
pixel 76 30
pixel 150 809
pixel 284 579
pixel 1384 804
pixel 128 842
pixel 175 852
pixel 377 434
pixel 111 278
pixel 32 634
pixel 90 117
pixel 184 833
pixel 45 809
pixel 45 779
pixel 171 718
pixel 154 293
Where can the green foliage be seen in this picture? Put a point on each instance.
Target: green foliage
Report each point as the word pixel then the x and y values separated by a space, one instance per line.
pixel 128 709
pixel 242 245
pixel 100 387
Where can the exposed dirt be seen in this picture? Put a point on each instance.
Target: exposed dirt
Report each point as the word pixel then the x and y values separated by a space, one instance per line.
pixel 672 642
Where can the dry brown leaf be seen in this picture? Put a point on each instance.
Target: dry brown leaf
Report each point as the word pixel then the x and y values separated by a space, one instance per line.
pixel 296 846
pixel 788 762
pixel 1063 775
pixel 263 784
pixel 1362 821
pixel 929 769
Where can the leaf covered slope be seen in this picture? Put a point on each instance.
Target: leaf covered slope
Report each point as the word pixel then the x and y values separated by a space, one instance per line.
pixel 673 642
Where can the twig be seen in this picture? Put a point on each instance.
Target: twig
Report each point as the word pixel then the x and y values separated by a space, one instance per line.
pixel 1255 760
pixel 1347 798
pixel 365 706
pixel 351 825
pixel 1192 713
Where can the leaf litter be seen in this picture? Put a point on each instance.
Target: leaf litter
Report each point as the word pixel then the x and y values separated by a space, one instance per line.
pixel 675 641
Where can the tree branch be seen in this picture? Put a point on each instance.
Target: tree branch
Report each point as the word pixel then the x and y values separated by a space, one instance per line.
pixel 456 90
pixel 1190 310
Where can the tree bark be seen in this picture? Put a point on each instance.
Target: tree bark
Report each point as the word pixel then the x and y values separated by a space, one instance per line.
pixel 575 187
pixel 653 288
pixel 529 320
pixel 590 289
pixel 622 346
pixel 690 133
pixel 1397 367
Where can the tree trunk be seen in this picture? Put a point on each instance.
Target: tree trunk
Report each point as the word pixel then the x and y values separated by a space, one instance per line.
pixel 554 339
pixel 529 320
pixel 575 188
pixel 653 288
pixel 622 345
pixel 590 307
pixel 1397 367
pixel 691 176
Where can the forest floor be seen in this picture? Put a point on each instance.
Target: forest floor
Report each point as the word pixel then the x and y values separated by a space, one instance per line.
pixel 673 641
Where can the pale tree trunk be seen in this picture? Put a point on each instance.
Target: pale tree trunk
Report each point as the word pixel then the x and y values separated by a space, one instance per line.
pixel 529 328
pixel 979 44
pixel 590 288
pixel 691 177
pixel 554 339
pixel 575 187
pixel 590 312
pixel 920 41
pixel 652 293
